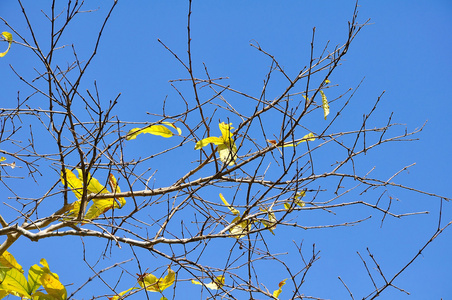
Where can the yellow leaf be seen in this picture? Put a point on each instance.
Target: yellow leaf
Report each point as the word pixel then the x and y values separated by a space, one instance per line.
pixel 325 106
pixel 93 184
pixel 308 137
pixel 229 206
pixel 2 159
pixel 49 280
pixel 99 207
pixel 152 284
pixel 73 212
pixel 226 130
pixel 300 195
pixel 34 278
pixel 9 38
pixel 14 282
pixel 226 145
pixel 7 260
pixel 53 286
pixel 228 153
pixel 271 223
pixel 122 294
pixel 211 139
pixel 72 182
pixel 297 200
pixel 179 131
pixel 278 291
pixel 327 81
pixel 115 188
pixel 160 130
pixel 214 285
pixel 240 230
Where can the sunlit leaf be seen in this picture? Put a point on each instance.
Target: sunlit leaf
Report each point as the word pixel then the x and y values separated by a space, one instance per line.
pixel 241 229
pixel 53 286
pixel 99 206
pixel 229 206
pixel 238 230
pixel 7 260
pixel 228 152
pixel 300 195
pixel 76 184
pixel 307 138
pixel 327 81
pixel 279 290
pixel 204 142
pixel 72 182
pixel 93 184
pixel 153 284
pixel 214 285
pixel 34 278
pixel 73 212
pixel 273 142
pixel 49 280
pixel 122 293
pixel 14 282
pixel 179 131
pixel 226 145
pixel 9 38
pixel 2 159
pixel 115 189
pixel 160 130
pixel 325 106
pixel 297 200
pixel 271 223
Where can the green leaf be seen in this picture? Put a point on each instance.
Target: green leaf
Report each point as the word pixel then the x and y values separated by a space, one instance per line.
pixel 325 106
pixel 9 38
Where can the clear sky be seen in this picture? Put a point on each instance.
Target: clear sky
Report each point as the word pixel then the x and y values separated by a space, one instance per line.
pixel 404 51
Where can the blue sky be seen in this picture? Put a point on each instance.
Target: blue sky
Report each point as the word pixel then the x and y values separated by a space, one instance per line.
pixel 404 51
